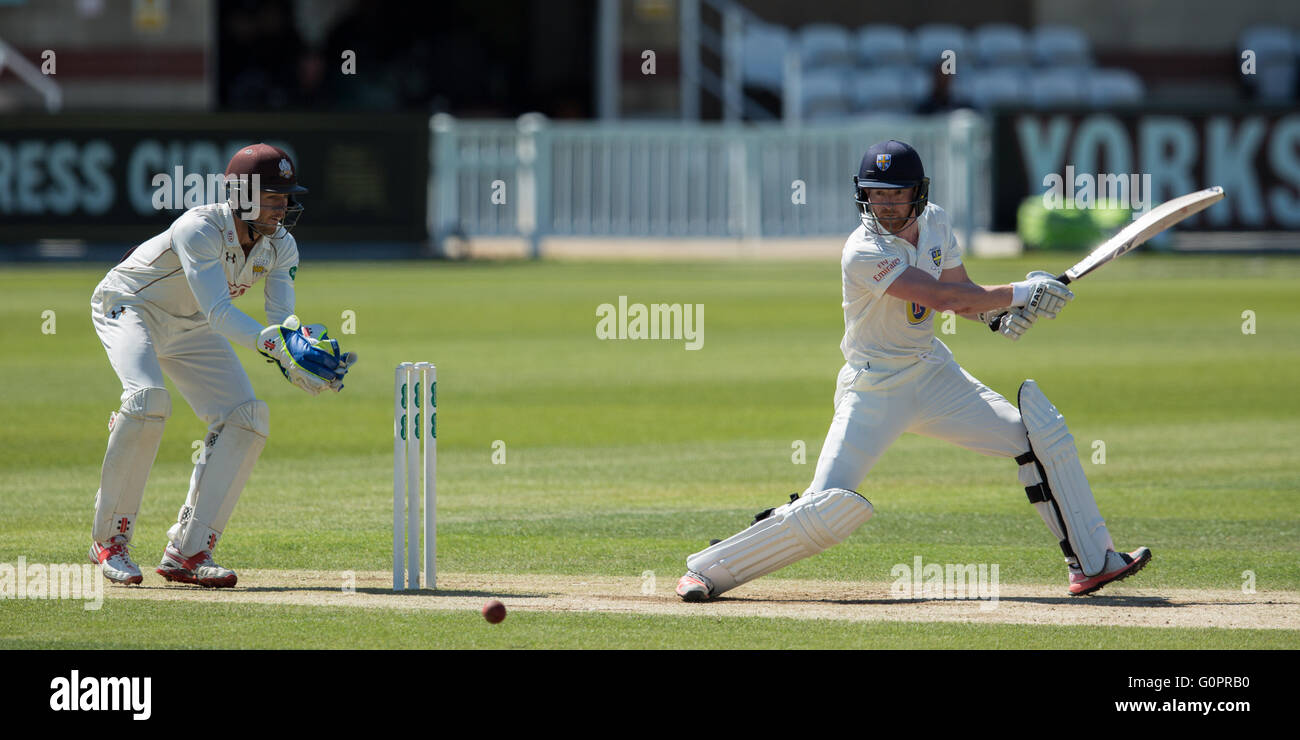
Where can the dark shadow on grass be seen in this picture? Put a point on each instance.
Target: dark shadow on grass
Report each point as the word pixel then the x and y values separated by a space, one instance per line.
pixel 443 592
pixel 431 593
pixel 1127 601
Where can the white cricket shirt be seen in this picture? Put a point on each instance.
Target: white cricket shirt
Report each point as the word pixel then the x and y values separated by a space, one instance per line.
pixel 879 326
pixel 196 266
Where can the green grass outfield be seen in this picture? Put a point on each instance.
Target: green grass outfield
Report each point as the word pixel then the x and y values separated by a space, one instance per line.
pixel 625 456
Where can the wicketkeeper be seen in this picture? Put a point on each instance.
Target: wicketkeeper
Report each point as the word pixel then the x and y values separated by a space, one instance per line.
pixel 900 266
pixel 166 310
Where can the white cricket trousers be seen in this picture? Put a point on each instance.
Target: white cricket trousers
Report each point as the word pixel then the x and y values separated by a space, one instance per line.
pixel 933 397
pixel 144 343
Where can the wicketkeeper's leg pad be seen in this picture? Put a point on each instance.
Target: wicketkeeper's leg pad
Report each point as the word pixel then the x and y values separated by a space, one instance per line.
pixel 794 531
pixel 220 476
pixel 1060 490
pixel 135 431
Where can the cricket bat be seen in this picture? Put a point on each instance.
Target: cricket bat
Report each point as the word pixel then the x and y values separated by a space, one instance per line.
pixel 1135 234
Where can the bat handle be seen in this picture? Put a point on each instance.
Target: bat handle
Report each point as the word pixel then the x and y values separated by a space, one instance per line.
pixel 1064 278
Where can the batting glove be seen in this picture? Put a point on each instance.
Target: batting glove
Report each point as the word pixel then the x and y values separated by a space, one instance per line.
pixel 1015 323
pixel 1041 294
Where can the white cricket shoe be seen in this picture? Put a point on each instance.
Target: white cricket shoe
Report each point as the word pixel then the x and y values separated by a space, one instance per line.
pixel 115 561
pixel 694 587
pixel 1119 566
pixel 198 568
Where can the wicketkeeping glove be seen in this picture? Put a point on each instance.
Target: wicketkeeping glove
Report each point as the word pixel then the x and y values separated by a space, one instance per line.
pixel 346 359
pixel 308 362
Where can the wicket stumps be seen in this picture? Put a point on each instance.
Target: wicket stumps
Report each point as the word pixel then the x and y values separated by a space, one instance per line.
pixel 414 387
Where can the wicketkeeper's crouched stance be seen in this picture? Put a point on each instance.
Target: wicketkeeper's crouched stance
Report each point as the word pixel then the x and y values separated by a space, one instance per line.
pixel 166 309
pixel 901 266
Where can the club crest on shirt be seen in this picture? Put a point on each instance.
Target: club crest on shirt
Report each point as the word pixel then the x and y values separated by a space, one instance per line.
pixel 917 314
pixel 936 254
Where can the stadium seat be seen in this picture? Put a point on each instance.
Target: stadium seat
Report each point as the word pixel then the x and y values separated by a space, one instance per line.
pixel 881 90
pixel 1107 87
pixel 883 45
pixel 918 83
pixel 899 88
pixel 931 40
pixel 1060 46
pixel 1275 62
pixel 1269 42
pixel 1000 45
pixel 988 88
pixel 822 93
pixel 825 45
pixel 764 49
pixel 1055 88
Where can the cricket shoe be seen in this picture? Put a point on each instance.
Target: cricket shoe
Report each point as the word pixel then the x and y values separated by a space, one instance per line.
pixel 1118 567
pixel 694 587
pixel 197 568
pixel 114 560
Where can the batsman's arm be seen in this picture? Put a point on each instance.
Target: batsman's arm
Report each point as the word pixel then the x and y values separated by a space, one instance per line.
pixel 958 275
pixel 957 294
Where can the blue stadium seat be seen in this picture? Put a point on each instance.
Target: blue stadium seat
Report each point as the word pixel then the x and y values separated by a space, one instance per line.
pixel 825 45
pixel 895 88
pixel 883 89
pixel 763 50
pixel 1000 45
pixel 931 40
pixel 988 88
pixel 1275 62
pixel 1107 87
pixel 1055 88
pixel 883 45
pixel 822 93
pixel 1060 46
pixel 918 82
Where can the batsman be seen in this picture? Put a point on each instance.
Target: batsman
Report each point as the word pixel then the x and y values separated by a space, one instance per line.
pixel 899 267
pixel 166 310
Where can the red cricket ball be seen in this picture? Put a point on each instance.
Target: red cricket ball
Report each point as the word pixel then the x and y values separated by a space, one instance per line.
pixel 494 611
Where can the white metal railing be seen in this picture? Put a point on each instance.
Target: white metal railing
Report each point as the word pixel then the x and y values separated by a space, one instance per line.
pixel 535 178
pixel 46 87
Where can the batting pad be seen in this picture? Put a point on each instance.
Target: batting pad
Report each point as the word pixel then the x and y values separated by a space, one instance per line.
pixel 134 434
pixel 800 529
pixel 1053 445
pixel 219 478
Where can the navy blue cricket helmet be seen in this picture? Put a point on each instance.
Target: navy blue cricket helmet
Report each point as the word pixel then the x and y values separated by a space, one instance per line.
pixel 891 164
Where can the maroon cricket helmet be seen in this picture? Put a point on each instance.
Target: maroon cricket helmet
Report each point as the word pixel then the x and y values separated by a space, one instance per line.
pixel 271 164
pixel 275 173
